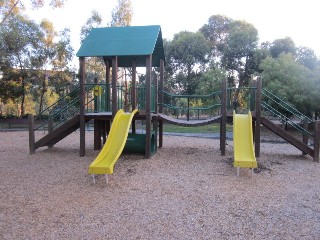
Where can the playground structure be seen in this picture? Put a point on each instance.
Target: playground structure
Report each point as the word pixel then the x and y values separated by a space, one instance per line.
pixel 99 102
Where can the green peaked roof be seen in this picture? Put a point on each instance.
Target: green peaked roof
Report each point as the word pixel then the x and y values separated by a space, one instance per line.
pixel 128 43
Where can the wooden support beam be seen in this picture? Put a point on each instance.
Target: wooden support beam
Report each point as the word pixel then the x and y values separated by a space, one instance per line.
pixel 161 86
pixel 161 101
pixel 133 93
pixel 148 105
pixel 108 89
pixel 305 136
pixel 82 73
pixel 258 118
pixel 156 82
pixel 133 84
pixel 316 141
pixel 97 129
pixel 155 129
pixel 95 98
pixel 114 85
pixel 31 134
pixel 223 122
pixel 160 134
pixel 50 129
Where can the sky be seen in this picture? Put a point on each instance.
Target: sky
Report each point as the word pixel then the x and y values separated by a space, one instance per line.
pixel 273 19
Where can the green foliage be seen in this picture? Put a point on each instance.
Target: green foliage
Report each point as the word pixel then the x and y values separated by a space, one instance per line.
pixel 291 81
pixel 238 50
pixel 210 81
pixel 122 14
pixel 95 20
pixel 233 47
pixel 187 53
pixel 216 31
pixel 27 50
pixel 308 58
pixel 188 50
pixel 284 45
pixel 12 7
pixel 95 66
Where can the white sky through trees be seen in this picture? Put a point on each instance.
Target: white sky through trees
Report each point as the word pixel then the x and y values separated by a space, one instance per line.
pixel 273 19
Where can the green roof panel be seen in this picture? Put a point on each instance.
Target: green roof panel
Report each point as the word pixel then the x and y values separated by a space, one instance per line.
pixel 128 43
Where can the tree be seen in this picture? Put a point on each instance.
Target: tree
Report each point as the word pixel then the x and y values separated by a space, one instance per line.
pixel 239 49
pixel 43 55
pixel 29 51
pixel 95 20
pixel 283 45
pixel 234 46
pixel 291 81
pixel 19 37
pixel 188 53
pixel 95 66
pixel 121 15
pixel 216 32
pixel 307 57
pixel 7 7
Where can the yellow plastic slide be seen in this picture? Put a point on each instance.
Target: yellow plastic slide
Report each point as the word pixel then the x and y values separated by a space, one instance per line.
pixel 110 153
pixel 243 141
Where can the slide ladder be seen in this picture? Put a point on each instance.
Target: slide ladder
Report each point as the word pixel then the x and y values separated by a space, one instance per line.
pixel 111 151
pixel 244 156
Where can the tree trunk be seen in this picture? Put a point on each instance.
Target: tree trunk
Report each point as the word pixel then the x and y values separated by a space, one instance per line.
pixel 22 111
pixel 188 91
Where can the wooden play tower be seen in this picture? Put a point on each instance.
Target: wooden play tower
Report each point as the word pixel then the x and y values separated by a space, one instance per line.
pixel 129 47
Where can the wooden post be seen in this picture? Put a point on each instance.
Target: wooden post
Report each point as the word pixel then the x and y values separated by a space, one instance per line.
pixel 95 98
pixel 161 100
pixel 97 130
pixel 156 82
pixel 155 129
pixel 161 86
pixel 258 117
pixel 160 134
pixel 114 85
pixel 148 105
pixel 104 130
pixel 133 85
pixel 31 134
pixel 223 121
pixel 305 136
pixel 82 107
pixel 108 92
pixel 50 129
pixel 133 93
pixel 316 141
pixel 253 85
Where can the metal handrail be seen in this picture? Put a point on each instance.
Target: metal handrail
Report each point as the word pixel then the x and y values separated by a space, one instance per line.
pixel 285 105
pixel 285 118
